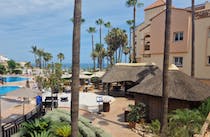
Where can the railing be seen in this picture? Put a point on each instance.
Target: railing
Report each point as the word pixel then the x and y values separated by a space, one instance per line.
pixel 12 127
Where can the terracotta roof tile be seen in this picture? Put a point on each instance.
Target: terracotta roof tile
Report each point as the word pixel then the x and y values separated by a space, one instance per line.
pixel 156 4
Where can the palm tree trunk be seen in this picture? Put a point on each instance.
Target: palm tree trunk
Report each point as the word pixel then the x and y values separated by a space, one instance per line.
pixel 125 58
pixel 94 63
pixel 134 42
pixel 193 40
pixel 100 34
pixel 130 47
pixel 165 89
pixel 75 68
pixel 118 60
pixel 116 56
pixel 121 54
pixel 35 59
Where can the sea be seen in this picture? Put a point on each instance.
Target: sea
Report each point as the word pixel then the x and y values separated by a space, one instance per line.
pixel 84 66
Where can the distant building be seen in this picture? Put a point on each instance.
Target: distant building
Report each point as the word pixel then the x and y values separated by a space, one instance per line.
pixel 3 59
pixel 150 38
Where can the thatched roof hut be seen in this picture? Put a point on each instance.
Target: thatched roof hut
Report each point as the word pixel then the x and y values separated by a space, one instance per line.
pixel 184 92
pixel 181 86
pixel 128 72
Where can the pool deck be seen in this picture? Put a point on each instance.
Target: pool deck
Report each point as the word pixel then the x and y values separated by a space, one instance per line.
pixel 11 105
pixel 112 121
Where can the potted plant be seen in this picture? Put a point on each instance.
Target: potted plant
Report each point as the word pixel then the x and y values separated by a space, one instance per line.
pixel 137 112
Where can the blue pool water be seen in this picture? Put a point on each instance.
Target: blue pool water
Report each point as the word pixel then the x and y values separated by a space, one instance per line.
pixel 6 89
pixel 13 79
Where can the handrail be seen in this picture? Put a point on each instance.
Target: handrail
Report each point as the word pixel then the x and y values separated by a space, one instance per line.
pixel 12 127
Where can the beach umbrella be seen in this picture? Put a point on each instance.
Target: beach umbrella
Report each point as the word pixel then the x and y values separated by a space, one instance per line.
pixel 86 73
pixel 24 93
pixel 66 76
pixel 82 76
pixel 98 74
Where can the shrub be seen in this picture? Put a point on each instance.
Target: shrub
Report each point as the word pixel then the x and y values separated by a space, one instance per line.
pixel 58 115
pixel 42 134
pixel 155 126
pixel 57 122
pixel 137 112
pixel 62 130
pixel 204 108
pixel 16 71
pixel 2 69
pixel 85 130
pixel 38 125
pixel 184 123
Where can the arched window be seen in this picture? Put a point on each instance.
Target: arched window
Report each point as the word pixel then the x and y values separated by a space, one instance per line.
pixel 147 42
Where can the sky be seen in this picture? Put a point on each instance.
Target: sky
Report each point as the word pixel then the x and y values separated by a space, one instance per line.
pixel 46 24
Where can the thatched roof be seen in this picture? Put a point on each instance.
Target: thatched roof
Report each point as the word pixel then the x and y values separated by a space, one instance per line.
pixel 128 72
pixel 181 86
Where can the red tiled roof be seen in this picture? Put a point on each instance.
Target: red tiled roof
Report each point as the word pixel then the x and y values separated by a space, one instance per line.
pixel 155 4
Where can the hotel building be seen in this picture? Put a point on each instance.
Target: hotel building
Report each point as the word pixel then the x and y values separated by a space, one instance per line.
pixel 150 38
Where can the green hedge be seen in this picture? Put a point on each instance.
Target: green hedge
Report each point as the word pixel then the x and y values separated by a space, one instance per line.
pixel 86 129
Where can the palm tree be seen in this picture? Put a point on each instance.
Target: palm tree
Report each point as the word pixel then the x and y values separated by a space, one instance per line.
pixel 126 50
pixel 134 4
pixel 165 89
pixel 40 53
pixel 108 25
pixel 92 30
pixel 60 57
pixel 130 24
pixel 100 22
pixel 116 40
pixel 94 55
pixel 75 68
pixel 193 40
pixel 34 51
pixel 47 57
pixel 100 54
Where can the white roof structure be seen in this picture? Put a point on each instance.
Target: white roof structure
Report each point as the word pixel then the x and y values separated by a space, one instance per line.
pixel 3 59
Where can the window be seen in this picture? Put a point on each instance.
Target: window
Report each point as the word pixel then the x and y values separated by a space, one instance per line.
pixel 147 46
pixel 178 36
pixel 147 42
pixel 178 61
pixel 208 60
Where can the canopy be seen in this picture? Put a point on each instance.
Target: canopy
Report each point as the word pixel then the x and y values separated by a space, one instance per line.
pixel 24 92
pixel 66 76
pixel 82 76
pixel 86 73
pixel 98 74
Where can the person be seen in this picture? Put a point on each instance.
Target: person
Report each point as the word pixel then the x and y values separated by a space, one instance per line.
pixel 39 104
pixel 38 100
pixel 27 83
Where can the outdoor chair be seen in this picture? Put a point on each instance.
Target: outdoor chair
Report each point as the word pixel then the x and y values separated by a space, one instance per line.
pixel 64 99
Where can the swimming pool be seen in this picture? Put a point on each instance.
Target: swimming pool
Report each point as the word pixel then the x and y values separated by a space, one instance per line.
pixel 6 89
pixel 13 79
